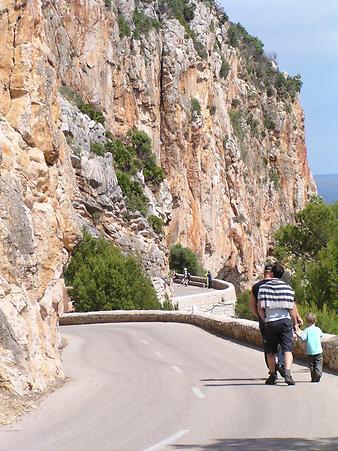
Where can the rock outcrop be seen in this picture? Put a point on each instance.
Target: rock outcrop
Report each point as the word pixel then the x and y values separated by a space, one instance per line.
pixel 232 149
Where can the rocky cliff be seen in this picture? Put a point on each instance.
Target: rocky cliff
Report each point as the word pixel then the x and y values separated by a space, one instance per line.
pixel 224 123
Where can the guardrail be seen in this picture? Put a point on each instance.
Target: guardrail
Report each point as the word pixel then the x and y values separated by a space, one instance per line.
pixel 239 329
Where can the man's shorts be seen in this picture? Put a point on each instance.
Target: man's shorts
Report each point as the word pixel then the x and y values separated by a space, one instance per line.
pixel 278 332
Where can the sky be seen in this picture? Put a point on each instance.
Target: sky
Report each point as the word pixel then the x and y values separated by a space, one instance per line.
pixel 304 34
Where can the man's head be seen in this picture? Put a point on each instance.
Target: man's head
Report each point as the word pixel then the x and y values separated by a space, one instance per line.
pixel 310 319
pixel 277 270
pixel 267 271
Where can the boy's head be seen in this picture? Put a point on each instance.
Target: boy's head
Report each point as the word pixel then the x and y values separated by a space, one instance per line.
pixel 311 319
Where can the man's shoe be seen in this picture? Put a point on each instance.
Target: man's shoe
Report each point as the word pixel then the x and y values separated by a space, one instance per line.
pixel 281 370
pixel 272 379
pixel 289 380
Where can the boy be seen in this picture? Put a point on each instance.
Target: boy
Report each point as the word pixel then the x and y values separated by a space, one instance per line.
pixel 312 335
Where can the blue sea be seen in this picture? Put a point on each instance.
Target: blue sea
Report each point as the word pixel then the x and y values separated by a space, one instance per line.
pixel 327 186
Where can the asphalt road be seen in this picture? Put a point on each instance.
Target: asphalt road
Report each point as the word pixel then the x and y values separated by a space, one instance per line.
pixel 150 386
pixel 182 290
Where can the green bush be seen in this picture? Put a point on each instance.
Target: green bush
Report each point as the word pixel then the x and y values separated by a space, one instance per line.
pixel 274 177
pixel 259 69
pixel 253 123
pixel 242 309
pixel 72 96
pixel 141 143
pixel 200 49
pixel 156 224
pixel 92 112
pixel 225 68
pixel 85 108
pixel 309 248
pixel 182 257
pixel 132 189
pixel 236 122
pixel 143 23
pixel 153 173
pixel 124 28
pixel 327 318
pixel 97 148
pixel 181 10
pixel 269 124
pixel 124 156
pixel 104 279
pixel 195 107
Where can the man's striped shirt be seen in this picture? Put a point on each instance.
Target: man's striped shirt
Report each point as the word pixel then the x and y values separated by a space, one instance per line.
pixel 276 294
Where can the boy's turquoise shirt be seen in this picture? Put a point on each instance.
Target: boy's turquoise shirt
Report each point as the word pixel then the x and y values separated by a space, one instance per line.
pixel 312 336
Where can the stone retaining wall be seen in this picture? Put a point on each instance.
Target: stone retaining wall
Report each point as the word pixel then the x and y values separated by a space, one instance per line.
pixel 239 329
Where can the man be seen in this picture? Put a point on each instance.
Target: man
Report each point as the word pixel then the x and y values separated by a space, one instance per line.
pixel 209 279
pixel 185 277
pixel 253 307
pixel 277 309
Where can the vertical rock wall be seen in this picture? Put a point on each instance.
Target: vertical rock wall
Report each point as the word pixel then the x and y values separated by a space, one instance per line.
pixel 232 182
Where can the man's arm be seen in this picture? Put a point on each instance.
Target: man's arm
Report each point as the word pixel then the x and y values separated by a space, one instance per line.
pixel 294 317
pixel 253 305
pixel 261 311
pixel 299 318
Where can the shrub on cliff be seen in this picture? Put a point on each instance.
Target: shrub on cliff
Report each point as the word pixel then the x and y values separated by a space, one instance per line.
pixel 97 148
pixel 225 68
pixel 156 224
pixel 182 257
pixel 131 154
pixel 85 108
pixel 143 23
pixel 195 107
pixel 132 189
pixel 104 279
pixel 124 28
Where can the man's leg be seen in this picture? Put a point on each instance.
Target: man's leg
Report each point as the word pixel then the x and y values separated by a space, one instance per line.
pixel 280 361
pixel 286 341
pixel 288 359
pixel 271 362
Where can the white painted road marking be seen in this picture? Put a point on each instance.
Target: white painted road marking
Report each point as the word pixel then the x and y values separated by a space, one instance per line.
pixel 144 341
pixel 159 355
pixel 167 441
pixel 177 369
pixel 198 392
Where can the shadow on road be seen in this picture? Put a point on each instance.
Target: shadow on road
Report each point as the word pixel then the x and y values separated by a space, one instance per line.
pixel 243 382
pixel 327 444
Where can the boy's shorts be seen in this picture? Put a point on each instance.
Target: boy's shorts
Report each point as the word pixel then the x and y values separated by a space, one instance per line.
pixel 278 332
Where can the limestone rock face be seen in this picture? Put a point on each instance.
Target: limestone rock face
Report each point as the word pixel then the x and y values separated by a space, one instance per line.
pixel 234 157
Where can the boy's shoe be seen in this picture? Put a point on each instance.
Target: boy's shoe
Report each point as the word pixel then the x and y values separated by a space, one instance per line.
pixel 315 377
pixel 281 370
pixel 272 379
pixel 289 380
